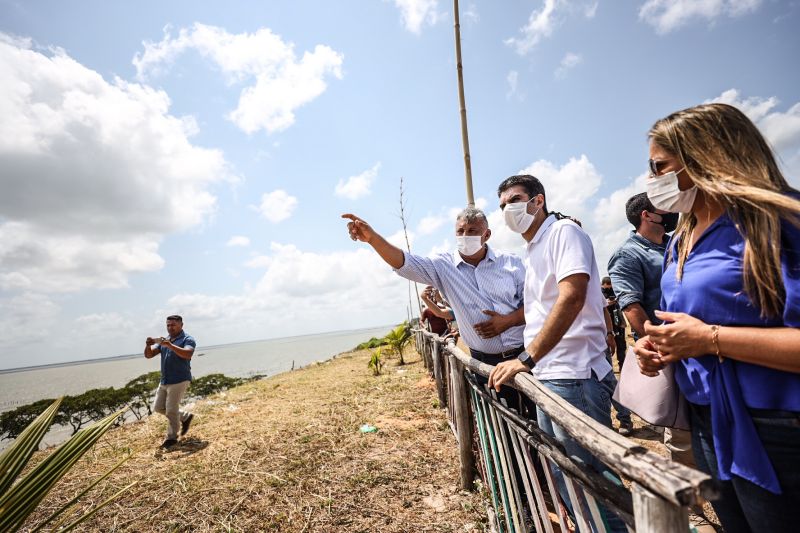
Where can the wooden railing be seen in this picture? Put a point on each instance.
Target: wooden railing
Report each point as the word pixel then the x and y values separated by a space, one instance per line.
pixel 519 463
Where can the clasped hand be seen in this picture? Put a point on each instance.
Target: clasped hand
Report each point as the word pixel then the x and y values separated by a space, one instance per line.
pixel 493 327
pixel 680 337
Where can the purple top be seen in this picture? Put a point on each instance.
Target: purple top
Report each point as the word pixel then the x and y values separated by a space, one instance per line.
pixel 712 290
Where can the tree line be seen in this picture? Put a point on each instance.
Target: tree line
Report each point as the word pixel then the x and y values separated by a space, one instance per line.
pixel 95 404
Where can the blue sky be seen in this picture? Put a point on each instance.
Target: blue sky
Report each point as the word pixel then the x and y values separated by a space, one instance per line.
pixel 194 157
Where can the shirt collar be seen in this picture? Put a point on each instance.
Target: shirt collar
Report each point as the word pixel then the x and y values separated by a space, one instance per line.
pixel 647 243
pixel 542 229
pixel 457 259
pixel 180 335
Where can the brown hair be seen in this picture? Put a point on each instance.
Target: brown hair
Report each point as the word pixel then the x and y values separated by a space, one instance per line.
pixel 729 160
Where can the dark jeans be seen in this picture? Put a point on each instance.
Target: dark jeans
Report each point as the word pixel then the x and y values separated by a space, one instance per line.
pixel 744 506
pixel 593 397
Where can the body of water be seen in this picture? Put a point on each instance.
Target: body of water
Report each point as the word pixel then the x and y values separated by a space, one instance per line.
pixel 268 357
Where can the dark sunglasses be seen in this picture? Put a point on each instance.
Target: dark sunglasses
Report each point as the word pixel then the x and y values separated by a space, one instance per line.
pixel 655 166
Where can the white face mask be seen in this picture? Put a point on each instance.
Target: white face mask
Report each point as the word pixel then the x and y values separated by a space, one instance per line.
pixel 664 193
pixel 469 244
pixel 517 217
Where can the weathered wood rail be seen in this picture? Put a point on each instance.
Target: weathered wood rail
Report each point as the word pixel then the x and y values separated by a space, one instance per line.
pixel 519 464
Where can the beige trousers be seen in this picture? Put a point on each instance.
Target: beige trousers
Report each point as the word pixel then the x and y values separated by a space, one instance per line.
pixel 168 399
pixel 679 444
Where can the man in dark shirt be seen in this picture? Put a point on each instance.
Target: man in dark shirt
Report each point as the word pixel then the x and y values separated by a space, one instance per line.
pixel 635 271
pixel 436 317
pixel 176 374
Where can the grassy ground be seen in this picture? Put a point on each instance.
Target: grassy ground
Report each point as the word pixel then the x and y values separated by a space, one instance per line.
pixel 286 454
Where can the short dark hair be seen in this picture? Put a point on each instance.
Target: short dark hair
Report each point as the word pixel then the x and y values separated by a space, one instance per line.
pixel 177 318
pixel 634 207
pixel 605 281
pixel 531 185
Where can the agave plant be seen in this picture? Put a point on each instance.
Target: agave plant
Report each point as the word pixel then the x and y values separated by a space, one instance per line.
pixel 19 499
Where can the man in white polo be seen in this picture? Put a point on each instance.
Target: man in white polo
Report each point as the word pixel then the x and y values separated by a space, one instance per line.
pixel 565 328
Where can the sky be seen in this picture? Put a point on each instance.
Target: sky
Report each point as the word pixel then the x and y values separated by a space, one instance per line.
pixel 195 157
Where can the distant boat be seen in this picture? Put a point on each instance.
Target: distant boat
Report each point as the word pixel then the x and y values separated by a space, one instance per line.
pixel 198 355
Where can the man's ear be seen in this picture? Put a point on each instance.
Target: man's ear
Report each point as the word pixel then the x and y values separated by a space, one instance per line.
pixel 488 234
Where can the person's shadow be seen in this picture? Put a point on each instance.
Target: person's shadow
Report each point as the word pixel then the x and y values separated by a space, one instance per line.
pixel 184 448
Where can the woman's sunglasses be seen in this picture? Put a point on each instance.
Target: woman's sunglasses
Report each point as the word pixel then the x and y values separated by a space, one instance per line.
pixel 655 166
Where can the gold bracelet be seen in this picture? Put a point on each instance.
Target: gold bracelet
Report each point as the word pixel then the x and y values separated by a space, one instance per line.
pixel 715 340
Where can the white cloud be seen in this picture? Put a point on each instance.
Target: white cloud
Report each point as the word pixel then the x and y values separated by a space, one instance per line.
pixel 357 186
pixel 568 62
pixel 26 318
pixel 238 240
pixel 543 22
pixel 513 80
pixel 446 217
pixel 471 14
pixel 430 224
pixel 299 288
pixel 258 261
pixel 568 187
pixel 94 174
pixel 277 205
pixel 781 128
pixel 418 13
pixel 280 82
pixel 668 15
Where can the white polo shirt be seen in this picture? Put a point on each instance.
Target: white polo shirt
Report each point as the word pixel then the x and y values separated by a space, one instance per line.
pixel 559 249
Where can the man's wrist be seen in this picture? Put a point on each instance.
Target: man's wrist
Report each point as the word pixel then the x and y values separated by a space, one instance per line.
pixel 526 359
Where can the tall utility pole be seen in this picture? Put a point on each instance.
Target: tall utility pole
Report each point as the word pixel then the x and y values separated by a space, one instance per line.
pixel 462 105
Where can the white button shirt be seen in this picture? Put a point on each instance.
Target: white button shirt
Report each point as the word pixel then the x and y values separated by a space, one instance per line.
pixel 496 284
pixel 560 249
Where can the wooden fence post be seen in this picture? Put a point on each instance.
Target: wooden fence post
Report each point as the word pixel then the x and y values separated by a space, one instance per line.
pixel 437 373
pixel 656 515
pixel 463 419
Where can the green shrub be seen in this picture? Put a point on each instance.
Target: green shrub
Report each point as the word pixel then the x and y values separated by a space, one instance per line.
pixel 212 384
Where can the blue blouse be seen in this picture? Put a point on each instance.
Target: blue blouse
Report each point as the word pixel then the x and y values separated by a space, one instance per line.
pixel 712 290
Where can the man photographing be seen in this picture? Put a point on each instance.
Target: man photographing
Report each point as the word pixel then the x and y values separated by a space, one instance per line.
pixel 176 374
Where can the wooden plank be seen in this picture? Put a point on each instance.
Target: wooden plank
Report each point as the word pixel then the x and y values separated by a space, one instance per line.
pixel 461 408
pixel 672 481
pixel 656 515
pixel 554 495
pixel 576 500
pixel 527 469
pixel 437 374
pixel 512 514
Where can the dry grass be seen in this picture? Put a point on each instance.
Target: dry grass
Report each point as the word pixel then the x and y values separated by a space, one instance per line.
pixel 286 454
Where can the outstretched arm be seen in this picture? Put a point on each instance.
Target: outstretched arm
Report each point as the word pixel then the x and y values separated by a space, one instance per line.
pixel 361 231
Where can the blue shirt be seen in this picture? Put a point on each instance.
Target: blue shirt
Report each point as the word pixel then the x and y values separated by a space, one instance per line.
pixel 712 289
pixel 496 284
pixel 175 369
pixel 635 272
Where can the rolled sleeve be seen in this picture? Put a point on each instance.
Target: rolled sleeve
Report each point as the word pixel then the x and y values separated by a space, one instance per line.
pixel 627 279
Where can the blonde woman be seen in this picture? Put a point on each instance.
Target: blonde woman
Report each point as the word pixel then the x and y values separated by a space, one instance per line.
pixel 731 309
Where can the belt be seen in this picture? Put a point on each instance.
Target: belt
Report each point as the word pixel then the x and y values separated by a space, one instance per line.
pixel 505 354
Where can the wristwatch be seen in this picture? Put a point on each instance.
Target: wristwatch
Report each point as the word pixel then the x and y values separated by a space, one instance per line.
pixel 526 359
